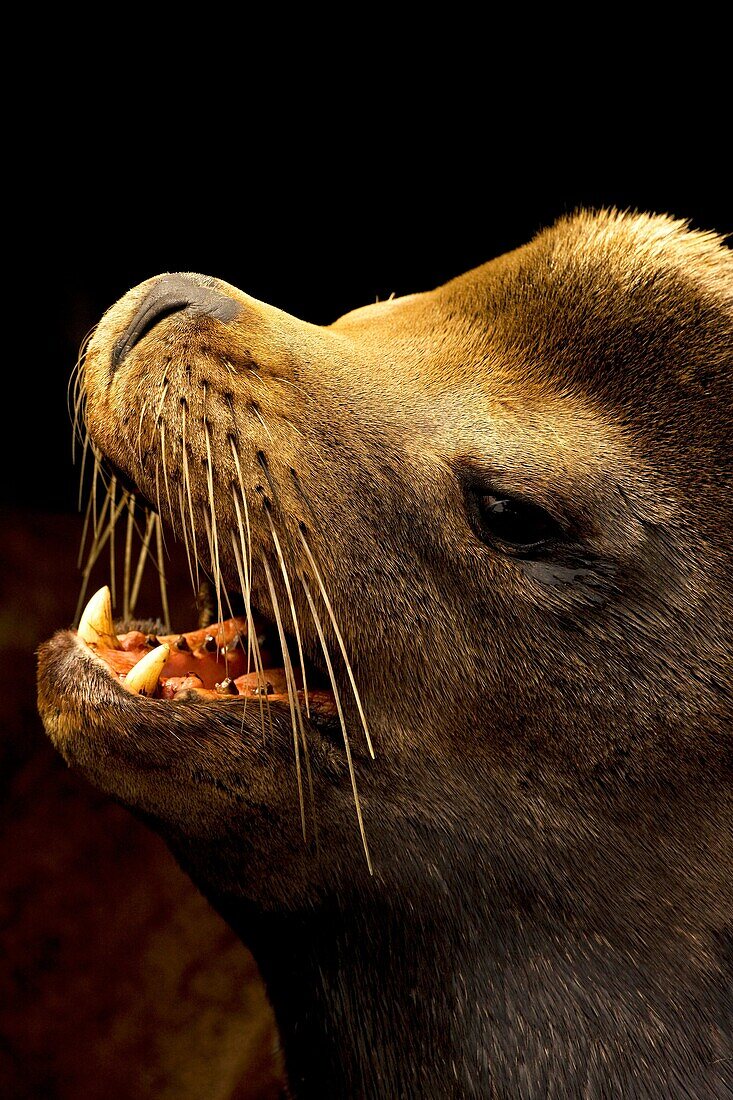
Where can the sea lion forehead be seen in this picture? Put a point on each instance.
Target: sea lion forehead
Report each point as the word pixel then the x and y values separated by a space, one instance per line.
pixel 606 301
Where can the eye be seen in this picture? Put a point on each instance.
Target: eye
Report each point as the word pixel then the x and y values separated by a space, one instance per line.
pixel 512 523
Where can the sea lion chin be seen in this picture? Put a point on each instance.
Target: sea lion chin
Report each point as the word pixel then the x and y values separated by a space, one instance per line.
pixel 466 793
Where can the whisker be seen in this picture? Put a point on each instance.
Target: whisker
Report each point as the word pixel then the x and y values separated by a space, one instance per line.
pixel 181 507
pixel 289 382
pixel 337 699
pixel 95 475
pixel 84 452
pixel 248 543
pixel 162 578
pixel 84 530
pixel 292 693
pixel 144 552
pixel 75 384
pixel 94 554
pixel 165 469
pixel 128 557
pixel 100 520
pixel 342 645
pixel 255 644
pixel 286 579
pixel 140 430
pixel 235 453
pixel 256 411
pixel 187 483
pixel 163 395
pixel 212 508
pixel 157 421
pixel 292 425
pixel 112 565
pixel 245 580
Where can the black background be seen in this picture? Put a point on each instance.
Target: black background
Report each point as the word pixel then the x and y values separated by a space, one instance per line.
pixel 316 228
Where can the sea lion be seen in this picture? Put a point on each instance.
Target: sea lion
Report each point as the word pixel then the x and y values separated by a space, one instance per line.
pixel 502 512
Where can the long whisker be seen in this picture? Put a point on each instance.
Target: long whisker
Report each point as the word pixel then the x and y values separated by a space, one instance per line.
pixel 187 483
pixel 292 694
pixel 95 552
pixel 165 468
pixel 128 557
pixel 245 580
pixel 244 499
pixel 286 579
pixel 212 508
pixel 79 395
pixel 337 698
pixel 144 552
pixel 248 557
pixel 339 636
pixel 161 572
pixel 93 546
pixel 85 449
pixel 157 423
pixel 112 563
pixel 195 582
pixel 140 430
pixel 296 625
pixel 95 476
pixel 256 411
pixel 254 641
pixel 84 530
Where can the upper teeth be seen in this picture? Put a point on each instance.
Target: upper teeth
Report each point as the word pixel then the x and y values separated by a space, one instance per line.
pixel 142 679
pixel 96 626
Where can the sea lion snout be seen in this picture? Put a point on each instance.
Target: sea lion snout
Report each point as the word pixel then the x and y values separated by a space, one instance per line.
pixel 171 294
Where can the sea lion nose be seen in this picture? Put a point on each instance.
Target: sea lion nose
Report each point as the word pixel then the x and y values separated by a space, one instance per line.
pixel 171 294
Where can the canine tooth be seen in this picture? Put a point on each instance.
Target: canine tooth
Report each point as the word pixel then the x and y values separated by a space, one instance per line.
pixel 227 687
pixel 96 626
pixel 142 679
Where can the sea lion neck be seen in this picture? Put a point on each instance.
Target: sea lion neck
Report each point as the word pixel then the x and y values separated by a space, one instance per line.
pixel 564 940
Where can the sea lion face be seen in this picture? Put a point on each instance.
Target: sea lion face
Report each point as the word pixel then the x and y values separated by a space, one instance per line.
pixel 502 507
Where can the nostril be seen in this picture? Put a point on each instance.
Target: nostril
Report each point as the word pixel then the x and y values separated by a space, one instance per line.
pixel 141 326
pixel 172 294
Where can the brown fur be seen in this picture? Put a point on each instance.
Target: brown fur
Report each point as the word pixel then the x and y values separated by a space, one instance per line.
pixel 549 810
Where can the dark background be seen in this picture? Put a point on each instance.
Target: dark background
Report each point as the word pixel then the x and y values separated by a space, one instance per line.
pixel 315 229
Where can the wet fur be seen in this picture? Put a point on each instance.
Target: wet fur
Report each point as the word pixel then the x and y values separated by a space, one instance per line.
pixel 549 812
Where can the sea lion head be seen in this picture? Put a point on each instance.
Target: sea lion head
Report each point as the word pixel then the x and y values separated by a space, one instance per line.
pixel 501 508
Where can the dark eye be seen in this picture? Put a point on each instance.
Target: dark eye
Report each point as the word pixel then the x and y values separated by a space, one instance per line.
pixel 512 523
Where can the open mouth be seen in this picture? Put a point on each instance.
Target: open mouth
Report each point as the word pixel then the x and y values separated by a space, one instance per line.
pixel 238 658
